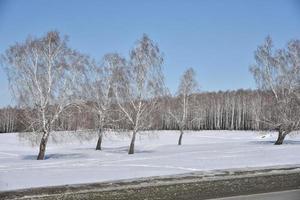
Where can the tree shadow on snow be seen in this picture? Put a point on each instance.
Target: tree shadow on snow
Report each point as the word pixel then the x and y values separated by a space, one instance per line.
pixel 84 148
pixel 124 149
pixel 272 142
pixel 55 156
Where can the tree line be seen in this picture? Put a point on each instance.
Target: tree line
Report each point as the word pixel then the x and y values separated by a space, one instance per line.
pixel 223 110
pixel 59 88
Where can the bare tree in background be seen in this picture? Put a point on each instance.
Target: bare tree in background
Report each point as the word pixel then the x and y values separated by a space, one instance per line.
pixel 98 91
pixel 139 86
pixel 180 109
pixel 43 74
pixel 278 72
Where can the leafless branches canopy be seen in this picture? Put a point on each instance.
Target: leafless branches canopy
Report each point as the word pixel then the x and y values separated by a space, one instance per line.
pixel 98 91
pixel 44 74
pixel 181 109
pixel 139 86
pixel 278 72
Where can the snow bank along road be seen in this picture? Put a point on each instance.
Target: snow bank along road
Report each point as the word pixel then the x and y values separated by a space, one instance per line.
pixel 190 186
pixel 70 161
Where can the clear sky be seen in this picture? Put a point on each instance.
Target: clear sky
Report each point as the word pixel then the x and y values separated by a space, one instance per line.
pixel 216 37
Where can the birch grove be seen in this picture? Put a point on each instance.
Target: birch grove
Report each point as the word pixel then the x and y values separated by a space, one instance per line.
pixel 58 88
pixel 228 110
pixel 8 120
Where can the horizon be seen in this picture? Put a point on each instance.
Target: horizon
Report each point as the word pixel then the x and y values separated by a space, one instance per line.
pixel 217 39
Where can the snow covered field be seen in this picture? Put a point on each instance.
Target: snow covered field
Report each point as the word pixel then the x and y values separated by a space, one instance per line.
pixel 69 161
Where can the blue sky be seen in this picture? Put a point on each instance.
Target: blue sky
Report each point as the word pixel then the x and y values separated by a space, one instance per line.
pixel 216 37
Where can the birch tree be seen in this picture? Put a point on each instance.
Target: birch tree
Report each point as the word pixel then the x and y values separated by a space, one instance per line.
pixel 278 72
pixel 139 86
pixel 98 91
pixel 43 74
pixel 182 109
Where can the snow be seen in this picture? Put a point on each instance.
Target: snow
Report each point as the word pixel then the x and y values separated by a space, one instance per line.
pixel 69 161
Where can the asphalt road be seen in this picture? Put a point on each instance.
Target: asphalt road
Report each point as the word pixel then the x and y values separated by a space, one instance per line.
pixel 282 195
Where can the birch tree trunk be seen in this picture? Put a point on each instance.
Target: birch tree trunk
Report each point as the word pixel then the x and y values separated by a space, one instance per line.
pixel 43 145
pixel 280 138
pixel 131 148
pixel 180 137
pixel 100 137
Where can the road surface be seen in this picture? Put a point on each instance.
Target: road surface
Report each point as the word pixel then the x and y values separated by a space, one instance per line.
pixel 282 195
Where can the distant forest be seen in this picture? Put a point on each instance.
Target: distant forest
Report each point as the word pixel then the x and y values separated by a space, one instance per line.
pixel 229 110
